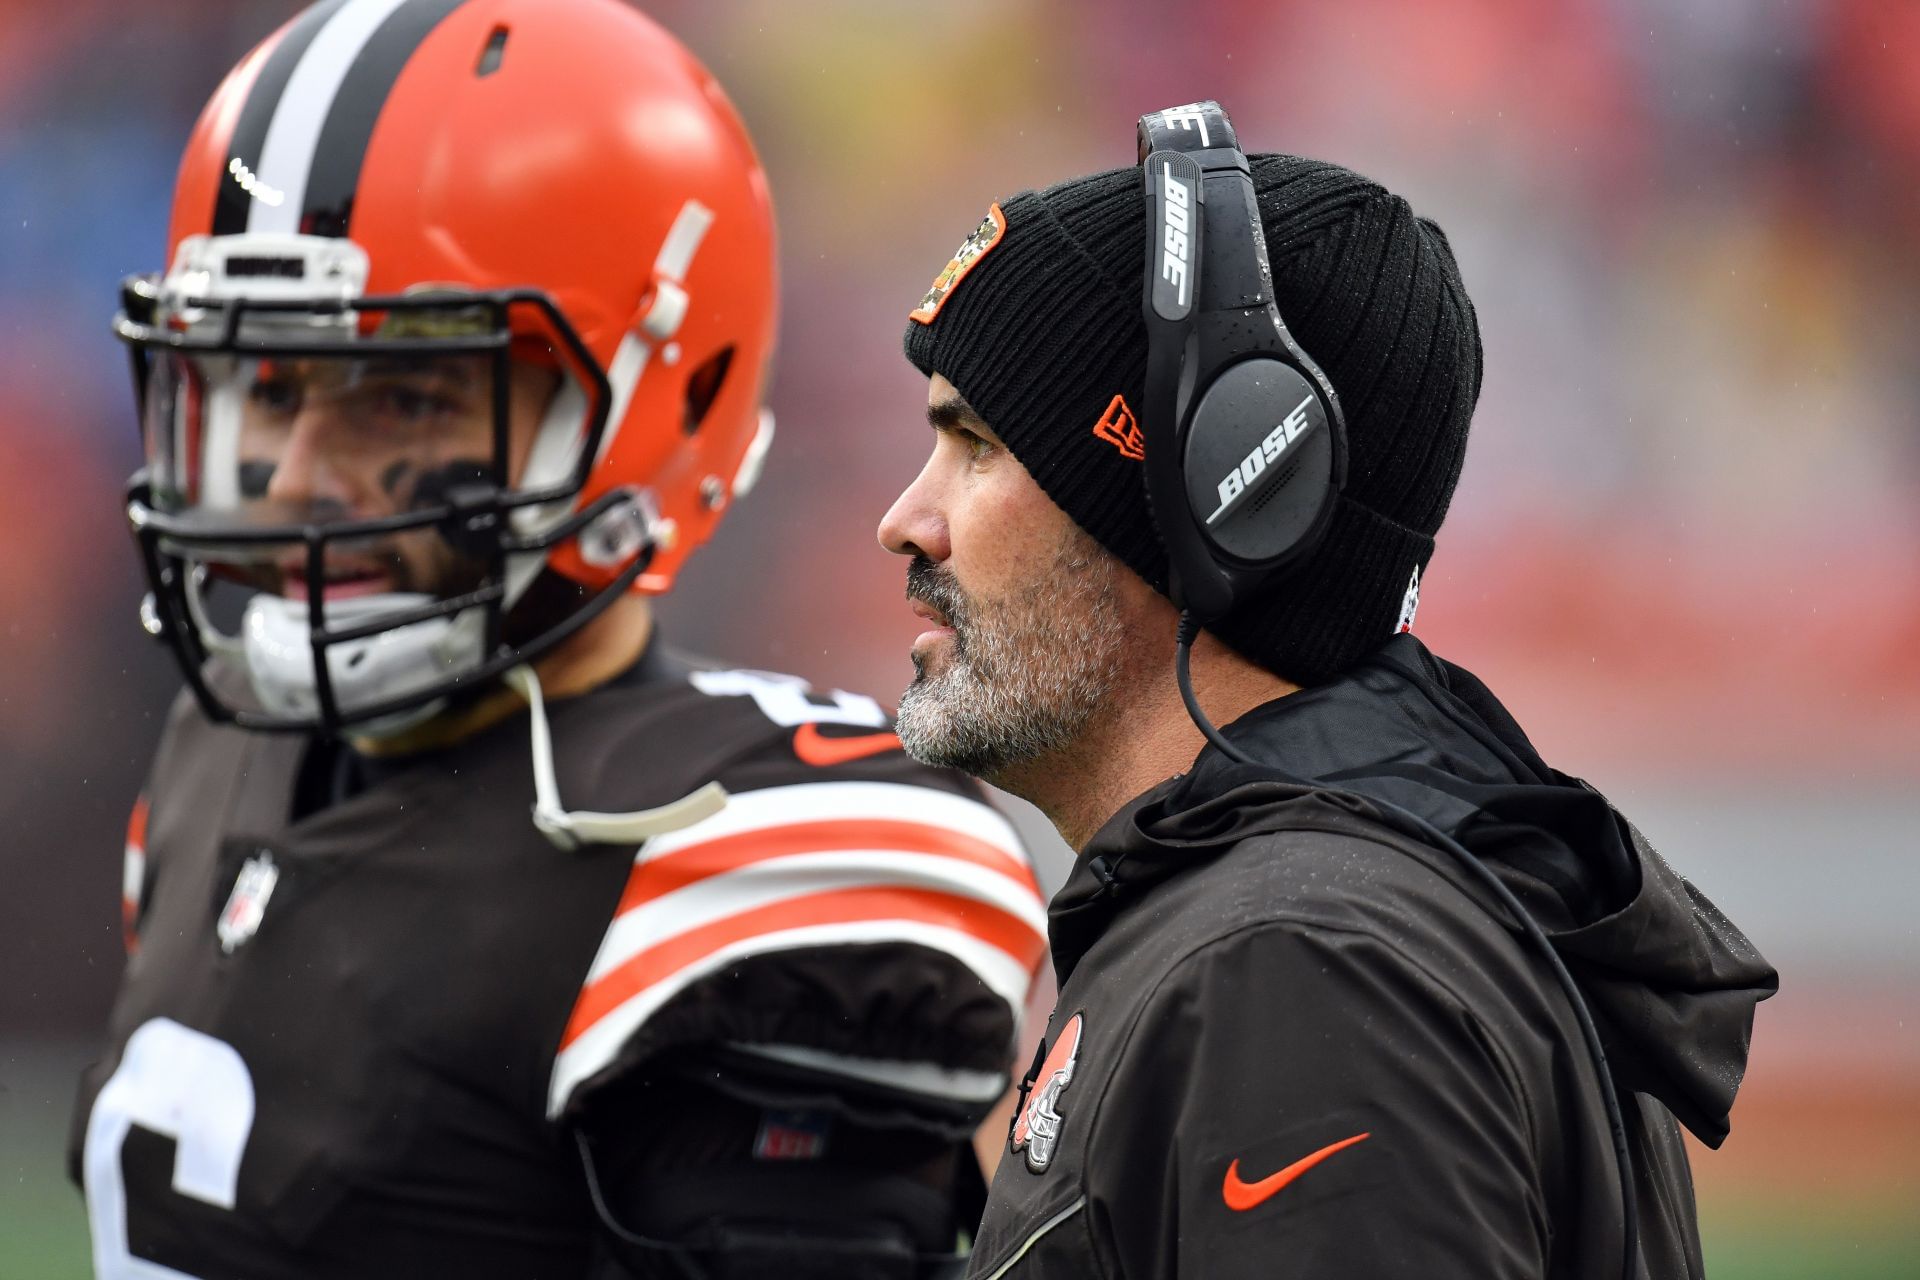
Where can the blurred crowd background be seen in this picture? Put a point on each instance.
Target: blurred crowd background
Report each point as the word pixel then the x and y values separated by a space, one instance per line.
pixel 1686 549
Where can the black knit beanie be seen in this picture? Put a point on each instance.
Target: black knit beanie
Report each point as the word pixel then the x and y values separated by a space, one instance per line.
pixel 1037 323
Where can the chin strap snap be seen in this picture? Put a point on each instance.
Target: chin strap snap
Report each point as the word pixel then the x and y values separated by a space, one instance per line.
pixel 569 830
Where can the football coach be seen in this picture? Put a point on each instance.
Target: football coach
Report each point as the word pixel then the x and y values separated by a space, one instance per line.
pixel 1355 985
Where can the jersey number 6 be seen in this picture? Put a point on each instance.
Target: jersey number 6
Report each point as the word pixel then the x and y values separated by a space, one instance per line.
pixel 183 1084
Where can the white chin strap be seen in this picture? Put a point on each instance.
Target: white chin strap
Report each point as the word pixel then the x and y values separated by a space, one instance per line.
pixel 278 654
pixel 569 830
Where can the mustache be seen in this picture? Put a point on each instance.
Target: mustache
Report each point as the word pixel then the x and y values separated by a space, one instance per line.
pixel 934 585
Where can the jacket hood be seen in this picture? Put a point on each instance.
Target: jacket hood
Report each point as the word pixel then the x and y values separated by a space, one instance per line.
pixel 1672 984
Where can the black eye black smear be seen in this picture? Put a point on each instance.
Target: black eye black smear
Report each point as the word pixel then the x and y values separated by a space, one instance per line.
pixel 395 476
pixel 255 476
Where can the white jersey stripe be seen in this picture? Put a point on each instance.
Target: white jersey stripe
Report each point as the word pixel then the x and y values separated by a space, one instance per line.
pixel 286 156
pixel 596 1047
pixel 761 884
pixel 828 801
pixel 133 875
pixel 925 1078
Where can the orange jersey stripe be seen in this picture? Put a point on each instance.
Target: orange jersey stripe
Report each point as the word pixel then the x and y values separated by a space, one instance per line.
pixel 136 848
pixel 137 825
pixel 683 867
pixel 1007 932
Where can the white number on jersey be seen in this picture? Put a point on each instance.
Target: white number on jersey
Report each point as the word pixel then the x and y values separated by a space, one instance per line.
pixel 183 1084
pixel 785 700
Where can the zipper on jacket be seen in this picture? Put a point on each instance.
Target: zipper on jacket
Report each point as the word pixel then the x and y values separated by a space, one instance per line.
pixel 1034 1239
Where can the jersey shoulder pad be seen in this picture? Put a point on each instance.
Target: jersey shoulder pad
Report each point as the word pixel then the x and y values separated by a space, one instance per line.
pixel 640 745
pixel 854 925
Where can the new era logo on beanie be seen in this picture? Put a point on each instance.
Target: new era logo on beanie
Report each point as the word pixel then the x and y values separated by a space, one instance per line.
pixel 1119 428
pixel 1047 344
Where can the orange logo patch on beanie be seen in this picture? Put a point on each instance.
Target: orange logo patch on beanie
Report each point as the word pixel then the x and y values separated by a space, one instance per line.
pixel 1119 428
pixel 971 250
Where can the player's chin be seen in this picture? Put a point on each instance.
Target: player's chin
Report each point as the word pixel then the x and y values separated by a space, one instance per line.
pixel 442 577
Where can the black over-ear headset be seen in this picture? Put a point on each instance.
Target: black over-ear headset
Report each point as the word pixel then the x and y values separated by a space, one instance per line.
pixel 1246 448
pixel 1246 452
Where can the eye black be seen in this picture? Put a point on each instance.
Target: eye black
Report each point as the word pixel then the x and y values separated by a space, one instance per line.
pixel 255 476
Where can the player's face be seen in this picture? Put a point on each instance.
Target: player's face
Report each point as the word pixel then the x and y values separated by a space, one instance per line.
pixel 1023 646
pixel 338 439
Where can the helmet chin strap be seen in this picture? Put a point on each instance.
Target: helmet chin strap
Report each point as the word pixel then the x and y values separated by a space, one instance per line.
pixel 551 456
pixel 568 830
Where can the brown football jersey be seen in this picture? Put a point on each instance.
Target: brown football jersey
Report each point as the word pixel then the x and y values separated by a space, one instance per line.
pixel 353 1042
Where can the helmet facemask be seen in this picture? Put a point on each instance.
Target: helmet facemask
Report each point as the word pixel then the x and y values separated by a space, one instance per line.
pixel 345 495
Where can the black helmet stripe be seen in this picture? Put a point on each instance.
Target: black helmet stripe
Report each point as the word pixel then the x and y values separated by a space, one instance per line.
pixel 335 175
pixel 322 116
pixel 230 198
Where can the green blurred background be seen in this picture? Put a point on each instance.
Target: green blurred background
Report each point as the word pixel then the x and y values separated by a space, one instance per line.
pixel 1686 549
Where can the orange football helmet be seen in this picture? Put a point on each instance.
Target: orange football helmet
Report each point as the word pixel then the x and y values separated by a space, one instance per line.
pixel 387 215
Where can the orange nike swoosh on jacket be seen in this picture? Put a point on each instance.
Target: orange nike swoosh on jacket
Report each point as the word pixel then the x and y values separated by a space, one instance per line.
pixel 1241 1196
pixel 817 749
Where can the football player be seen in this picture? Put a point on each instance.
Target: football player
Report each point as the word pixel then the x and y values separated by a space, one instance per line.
pixel 472 931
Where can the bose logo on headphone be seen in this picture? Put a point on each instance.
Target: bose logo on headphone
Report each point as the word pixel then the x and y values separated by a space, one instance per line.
pixel 1234 486
pixel 1175 242
pixel 1190 117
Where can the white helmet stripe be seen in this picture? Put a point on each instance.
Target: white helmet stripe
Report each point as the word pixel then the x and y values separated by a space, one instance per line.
pixel 286 158
pixel 234 195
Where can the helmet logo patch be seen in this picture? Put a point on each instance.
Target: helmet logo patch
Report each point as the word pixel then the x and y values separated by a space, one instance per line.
pixel 971 250
pixel 1409 603
pixel 1037 1130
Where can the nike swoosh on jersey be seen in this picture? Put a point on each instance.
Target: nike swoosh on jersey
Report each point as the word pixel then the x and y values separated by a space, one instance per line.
pixel 1241 1196
pixel 817 749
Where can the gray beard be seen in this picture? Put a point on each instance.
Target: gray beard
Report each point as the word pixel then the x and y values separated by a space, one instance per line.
pixel 1024 674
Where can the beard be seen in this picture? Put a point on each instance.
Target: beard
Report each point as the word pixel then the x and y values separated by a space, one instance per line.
pixel 1025 671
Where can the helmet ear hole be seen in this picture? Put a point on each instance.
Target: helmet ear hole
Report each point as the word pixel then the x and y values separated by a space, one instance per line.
pixel 492 53
pixel 703 388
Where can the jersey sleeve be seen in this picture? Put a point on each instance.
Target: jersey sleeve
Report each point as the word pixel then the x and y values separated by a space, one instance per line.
pixel 1310 1095
pixel 851 928
pixel 169 779
pixel 133 875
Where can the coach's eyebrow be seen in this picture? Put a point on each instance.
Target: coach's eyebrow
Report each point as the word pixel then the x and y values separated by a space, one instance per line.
pixel 952 412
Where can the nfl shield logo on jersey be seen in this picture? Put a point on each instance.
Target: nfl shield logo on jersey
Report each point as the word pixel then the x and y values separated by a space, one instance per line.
pixel 240 919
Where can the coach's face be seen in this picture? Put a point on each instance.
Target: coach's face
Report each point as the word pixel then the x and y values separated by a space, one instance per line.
pixel 1023 642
